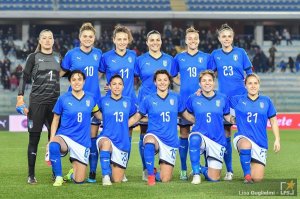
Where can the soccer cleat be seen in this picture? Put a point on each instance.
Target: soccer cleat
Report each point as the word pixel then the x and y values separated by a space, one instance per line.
pixel 196 179
pixel 124 179
pixel 92 177
pixel 248 179
pixel 58 181
pixel 145 175
pixel 151 180
pixel 31 180
pixel 68 177
pixel 228 176
pixel 106 180
pixel 183 175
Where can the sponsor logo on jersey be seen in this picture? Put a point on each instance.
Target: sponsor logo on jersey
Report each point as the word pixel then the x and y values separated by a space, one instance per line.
pixel 95 57
pixel 235 57
pixel 165 63
pixel 199 103
pixel 106 104
pixel 129 59
pixel 261 105
pixel 79 58
pixel 200 60
pixel 182 59
pixel 125 104
pixel 88 103
pixel 218 103
pixel 114 61
pixel 41 60
pixel 70 104
pixel 172 102
pixel 154 103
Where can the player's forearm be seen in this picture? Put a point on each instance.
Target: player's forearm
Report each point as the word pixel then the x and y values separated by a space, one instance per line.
pixel 275 128
pixel 98 115
pixel 188 116
pixel 134 119
pixel 54 126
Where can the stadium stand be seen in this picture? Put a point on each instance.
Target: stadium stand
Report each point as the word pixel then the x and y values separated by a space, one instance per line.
pixel 26 4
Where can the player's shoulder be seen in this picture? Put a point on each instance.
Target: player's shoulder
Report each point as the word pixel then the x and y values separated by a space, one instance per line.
pixel 109 53
pixel 264 97
pixel 131 52
pixel 216 51
pixel 201 53
pixel 165 55
pixel 96 50
pixel 173 94
pixel 88 94
pixel 238 49
pixel 180 55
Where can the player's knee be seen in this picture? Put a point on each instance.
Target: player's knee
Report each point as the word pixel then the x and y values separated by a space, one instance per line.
pixel 54 148
pixel 105 144
pixel 195 140
pixel 149 139
pixel 244 144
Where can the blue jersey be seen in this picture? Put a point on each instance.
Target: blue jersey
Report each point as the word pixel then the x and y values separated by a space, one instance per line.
pixel 115 114
pixel 89 64
pixel 231 67
pixel 75 121
pixel 145 68
pixel 112 63
pixel 162 116
pixel 252 117
pixel 209 114
pixel 189 67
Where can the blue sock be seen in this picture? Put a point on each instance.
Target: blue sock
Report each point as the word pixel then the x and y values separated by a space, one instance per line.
pixel 105 162
pixel 183 150
pixel 228 155
pixel 149 153
pixel 141 149
pixel 93 158
pixel 194 148
pixel 245 159
pixel 54 155
pixel 204 171
pixel 157 177
pixel 130 139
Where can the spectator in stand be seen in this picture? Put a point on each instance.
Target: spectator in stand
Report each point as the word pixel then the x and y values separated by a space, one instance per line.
pixel 298 62
pixel 291 64
pixel 282 66
pixel 278 38
pixel 272 52
pixel 13 82
pixel 287 37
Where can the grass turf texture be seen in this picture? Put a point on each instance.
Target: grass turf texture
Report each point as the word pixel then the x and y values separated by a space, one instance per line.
pixel 13 170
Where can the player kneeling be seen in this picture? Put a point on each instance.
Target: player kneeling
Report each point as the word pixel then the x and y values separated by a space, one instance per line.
pixel 73 111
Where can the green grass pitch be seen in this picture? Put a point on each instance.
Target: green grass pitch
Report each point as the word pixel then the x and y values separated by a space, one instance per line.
pixel 13 174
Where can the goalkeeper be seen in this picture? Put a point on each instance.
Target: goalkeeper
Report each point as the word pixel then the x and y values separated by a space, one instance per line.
pixel 42 67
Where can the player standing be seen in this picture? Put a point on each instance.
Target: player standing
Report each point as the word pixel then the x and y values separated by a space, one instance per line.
pixel 189 65
pixel 252 113
pixel 230 63
pixel 42 66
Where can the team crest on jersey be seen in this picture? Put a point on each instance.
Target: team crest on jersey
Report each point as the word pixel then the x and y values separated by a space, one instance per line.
pixel 218 103
pixel 88 103
pixel 165 63
pixel 129 59
pixel 200 60
pixel 261 105
pixel 125 104
pixel 172 102
pixel 56 59
pixel 95 57
pixel 235 57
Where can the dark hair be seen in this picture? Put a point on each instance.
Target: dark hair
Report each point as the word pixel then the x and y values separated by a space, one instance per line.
pixel 123 29
pixel 76 72
pixel 116 76
pixel 153 32
pixel 207 72
pixel 158 72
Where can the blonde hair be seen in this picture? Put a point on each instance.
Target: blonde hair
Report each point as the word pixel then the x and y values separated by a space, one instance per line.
pixel 223 27
pixel 252 75
pixel 191 30
pixel 207 72
pixel 124 29
pixel 38 48
pixel 87 26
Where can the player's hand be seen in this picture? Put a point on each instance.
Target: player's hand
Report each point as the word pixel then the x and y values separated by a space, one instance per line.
pixel 277 146
pixel 47 155
pixel 198 92
pixel 21 106
pixel 106 88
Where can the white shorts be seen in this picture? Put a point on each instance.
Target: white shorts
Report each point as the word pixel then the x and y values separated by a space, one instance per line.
pixel 77 151
pixel 166 153
pixel 258 153
pixel 118 156
pixel 95 121
pixel 214 151
pixel 184 122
